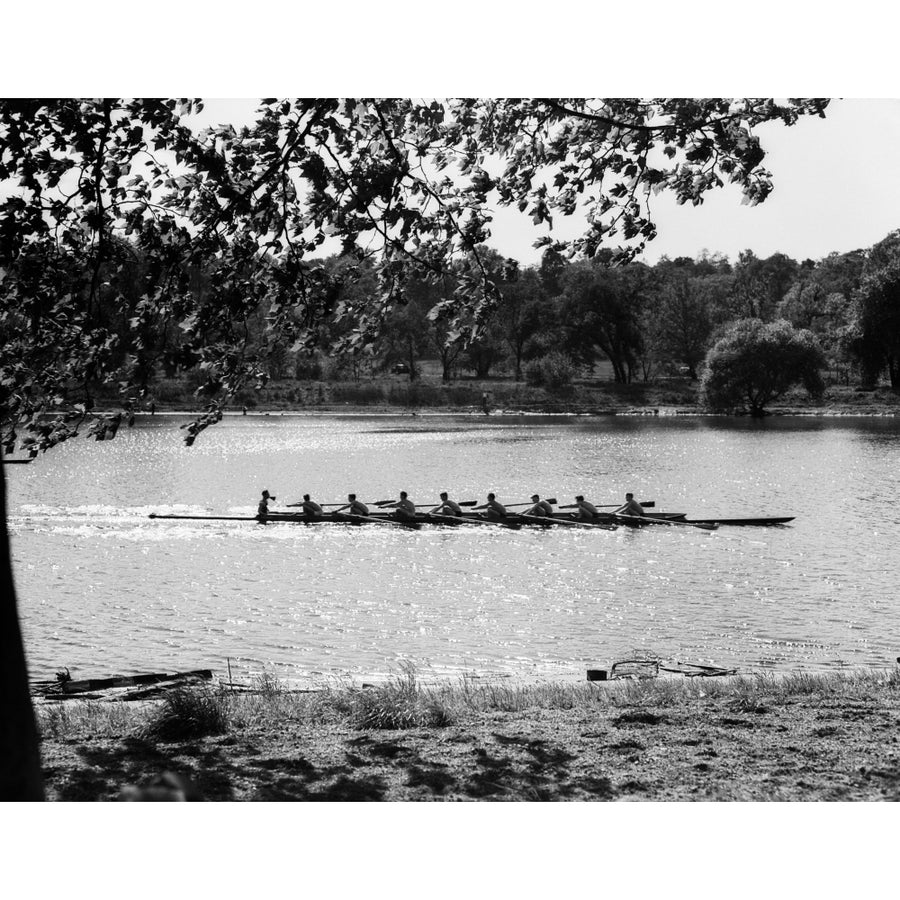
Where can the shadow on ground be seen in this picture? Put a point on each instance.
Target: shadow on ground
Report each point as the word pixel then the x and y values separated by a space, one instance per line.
pixel 359 768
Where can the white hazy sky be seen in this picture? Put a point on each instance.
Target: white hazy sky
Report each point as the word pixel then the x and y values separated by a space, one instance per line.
pixel 837 188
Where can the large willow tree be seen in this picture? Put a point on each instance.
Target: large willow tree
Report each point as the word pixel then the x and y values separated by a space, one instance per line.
pixel 409 184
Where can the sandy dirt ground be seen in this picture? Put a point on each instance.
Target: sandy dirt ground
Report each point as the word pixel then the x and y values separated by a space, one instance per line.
pixel 713 748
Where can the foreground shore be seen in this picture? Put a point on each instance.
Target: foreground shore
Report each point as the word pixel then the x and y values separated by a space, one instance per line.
pixel 794 737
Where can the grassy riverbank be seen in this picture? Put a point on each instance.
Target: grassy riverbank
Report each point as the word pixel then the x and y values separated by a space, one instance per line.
pixel 795 737
pixel 588 396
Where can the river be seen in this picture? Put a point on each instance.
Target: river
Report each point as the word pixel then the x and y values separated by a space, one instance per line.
pixel 104 589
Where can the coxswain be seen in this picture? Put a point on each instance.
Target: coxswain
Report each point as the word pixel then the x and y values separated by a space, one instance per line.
pixel 404 508
pixel 448 507
pixel 311 509
pixel 541 508
pixel 356 507
pixel 587 512
pixel 262 511
pixel 630 507
pixel 495 511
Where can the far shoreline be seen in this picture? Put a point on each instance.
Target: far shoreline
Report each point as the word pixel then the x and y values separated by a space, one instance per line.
pixel 429 396
pixel 362 411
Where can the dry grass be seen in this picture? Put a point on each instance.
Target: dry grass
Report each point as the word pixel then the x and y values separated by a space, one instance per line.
pixel 93 718
pixel 404 702
pixel 188 713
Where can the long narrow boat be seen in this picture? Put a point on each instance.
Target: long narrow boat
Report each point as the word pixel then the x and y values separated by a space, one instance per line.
pixel 291 518
pixel 514 522
pixel 762 521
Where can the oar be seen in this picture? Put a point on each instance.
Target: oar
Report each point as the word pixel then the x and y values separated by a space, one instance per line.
pixel 566 523
pixel 456 520
pixel 500 523
pixel 649 521
pixel 426 505
pixel 647 504
pixel 344 503
pixel 374 521
pixel 552 500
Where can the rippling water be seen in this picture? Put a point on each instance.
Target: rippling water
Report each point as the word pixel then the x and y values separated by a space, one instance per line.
pixel 103 589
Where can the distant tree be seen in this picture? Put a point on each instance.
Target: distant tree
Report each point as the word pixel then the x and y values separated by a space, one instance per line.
pixel 487 351
pixel 840 272
pixel 522 313
pixel 682 322
pixel 877 323
pixel 829 316
pixel 882 254
pixel 759 284
pixel 756 363
pixel 553 264
pixel 405 338
pixel 601 309
pixel 707 263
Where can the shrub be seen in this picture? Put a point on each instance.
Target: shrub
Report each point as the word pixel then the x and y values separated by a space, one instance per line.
pixel 755 363
pixel 357 393
pixel 553 371
pixel 400 703
pixel 416 394
pixel 188 713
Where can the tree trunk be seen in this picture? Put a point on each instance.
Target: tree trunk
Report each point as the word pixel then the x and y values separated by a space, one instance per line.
pixel 20 761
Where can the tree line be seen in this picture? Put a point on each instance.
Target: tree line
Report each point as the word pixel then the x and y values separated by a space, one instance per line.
pixel 551 320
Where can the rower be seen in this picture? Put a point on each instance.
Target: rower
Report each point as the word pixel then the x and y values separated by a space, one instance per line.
pixel 587 512
pixel 448 507
pixel 356 507
pixel 262 511
pixel 540 508
pixel 311 509
pixel 404 508
pixel 495 510
pixel 630 507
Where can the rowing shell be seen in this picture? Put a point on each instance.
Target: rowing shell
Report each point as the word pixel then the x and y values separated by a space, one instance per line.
pixel 770 520
pixel 337 519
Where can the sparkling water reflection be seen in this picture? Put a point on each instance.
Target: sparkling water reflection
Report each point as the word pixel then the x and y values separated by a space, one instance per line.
pixel 102 588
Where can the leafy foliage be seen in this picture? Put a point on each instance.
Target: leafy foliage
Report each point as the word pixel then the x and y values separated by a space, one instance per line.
pixel 553 371
pixel 877 322
pixel 755 363
pixel 681 321
pixel 223 222
pixel 601 308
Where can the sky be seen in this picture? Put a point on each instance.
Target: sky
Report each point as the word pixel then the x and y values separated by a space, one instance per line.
pixel 837 188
